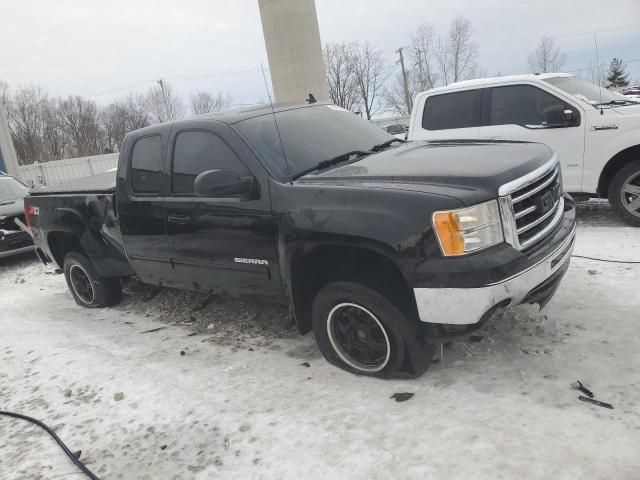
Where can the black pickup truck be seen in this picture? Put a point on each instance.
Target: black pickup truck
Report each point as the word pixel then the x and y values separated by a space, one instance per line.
pixel 381 247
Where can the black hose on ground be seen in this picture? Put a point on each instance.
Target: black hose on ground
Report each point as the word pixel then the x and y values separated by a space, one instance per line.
pixel 68 452
pixel 630 262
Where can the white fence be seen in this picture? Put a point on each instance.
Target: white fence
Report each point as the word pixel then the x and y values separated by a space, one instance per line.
pixel 58 171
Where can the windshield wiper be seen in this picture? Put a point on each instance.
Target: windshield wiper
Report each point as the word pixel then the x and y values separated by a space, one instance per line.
pixel 616 102
pixel 332 161
pixel 383 145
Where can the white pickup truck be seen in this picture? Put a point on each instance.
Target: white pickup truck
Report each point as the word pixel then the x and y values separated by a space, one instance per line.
pixel 595 132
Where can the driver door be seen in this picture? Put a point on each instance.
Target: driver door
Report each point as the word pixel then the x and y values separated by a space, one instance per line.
pixel 218 244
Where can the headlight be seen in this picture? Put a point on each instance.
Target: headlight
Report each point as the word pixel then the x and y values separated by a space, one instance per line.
pixel 468 229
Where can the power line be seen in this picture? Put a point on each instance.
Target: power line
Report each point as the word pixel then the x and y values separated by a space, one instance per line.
pixel 591 32
pixel 589 68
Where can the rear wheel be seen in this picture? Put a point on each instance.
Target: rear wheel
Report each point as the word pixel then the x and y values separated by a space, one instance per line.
pixel 624 193
pixel 363 329
pixel 88 288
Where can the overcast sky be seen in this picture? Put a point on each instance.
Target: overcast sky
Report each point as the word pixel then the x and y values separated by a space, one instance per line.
pixel 105 48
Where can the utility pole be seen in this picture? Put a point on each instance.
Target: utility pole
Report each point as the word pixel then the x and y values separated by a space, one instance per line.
pixel 421 68
pixel 165 100
pixel 407 96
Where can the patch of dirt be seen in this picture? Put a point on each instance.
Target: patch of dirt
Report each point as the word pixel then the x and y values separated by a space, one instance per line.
pixel 240 322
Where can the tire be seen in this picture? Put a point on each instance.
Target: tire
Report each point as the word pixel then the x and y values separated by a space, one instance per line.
pixel 89 289
pixel 621 195
pixel 386 343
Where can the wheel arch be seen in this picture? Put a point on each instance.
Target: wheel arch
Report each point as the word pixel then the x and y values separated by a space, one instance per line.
pixel 614 164
pixel 310 269
pixel 60 243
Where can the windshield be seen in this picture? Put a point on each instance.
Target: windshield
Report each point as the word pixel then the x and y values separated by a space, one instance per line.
pixel 11 189
pixel 585 91
pixel 309 136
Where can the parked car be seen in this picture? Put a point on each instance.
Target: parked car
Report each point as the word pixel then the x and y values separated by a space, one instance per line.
pixel 13 240
pixel 397 130
pixel 632 92
pixel 595 132
pixel 380 247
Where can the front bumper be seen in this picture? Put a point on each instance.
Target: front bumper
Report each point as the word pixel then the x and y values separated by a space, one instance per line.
pixel 467 306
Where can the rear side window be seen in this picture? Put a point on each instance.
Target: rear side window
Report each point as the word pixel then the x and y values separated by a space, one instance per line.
pixel 146 172
pixel 452 110
pixel 196 152
pixel 521 105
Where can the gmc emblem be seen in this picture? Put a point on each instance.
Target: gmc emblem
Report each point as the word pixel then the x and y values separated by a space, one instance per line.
pixel 548 200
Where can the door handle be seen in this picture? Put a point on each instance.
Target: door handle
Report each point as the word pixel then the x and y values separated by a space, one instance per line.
pixel 180 219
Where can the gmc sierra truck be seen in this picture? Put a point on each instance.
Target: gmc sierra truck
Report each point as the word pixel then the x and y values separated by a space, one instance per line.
pixel 595 132
pixel 382 248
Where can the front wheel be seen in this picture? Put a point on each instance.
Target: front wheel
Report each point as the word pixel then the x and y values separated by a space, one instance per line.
pixel 88 288
pixel 624 193
pixel 359 328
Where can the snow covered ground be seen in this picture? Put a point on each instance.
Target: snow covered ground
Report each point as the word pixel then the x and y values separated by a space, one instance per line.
pixel 172 385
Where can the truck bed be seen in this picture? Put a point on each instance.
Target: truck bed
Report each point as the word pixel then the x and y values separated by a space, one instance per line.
pixel 101 183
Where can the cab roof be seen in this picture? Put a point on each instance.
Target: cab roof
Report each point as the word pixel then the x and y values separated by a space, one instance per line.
pixel 478 82
pixel 232 116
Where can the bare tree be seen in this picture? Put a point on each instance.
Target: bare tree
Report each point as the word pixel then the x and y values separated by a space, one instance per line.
pixel 422 51
pixel 54 134
pixel 370 68
pixel 81 124
pixel 341 76
pixel 395 99
pixel 4 92
pixel 121 117
pixel 163 104
pixel 204 102
pixel 25 122
pixel 546 57
pixel 457 53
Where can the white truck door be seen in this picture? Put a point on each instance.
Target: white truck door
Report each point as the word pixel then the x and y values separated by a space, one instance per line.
pixel 528 113
pixel 447 116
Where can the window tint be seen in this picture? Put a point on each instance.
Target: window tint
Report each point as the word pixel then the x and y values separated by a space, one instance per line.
pixel 146 174
pixel 452 110
pixel 197 152
pixel 521 105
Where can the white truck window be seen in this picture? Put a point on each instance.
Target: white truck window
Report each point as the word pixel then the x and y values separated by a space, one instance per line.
pixel 521 105
pixel 452 110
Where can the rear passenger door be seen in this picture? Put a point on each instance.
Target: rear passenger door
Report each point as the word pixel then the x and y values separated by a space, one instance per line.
pixel 226 243
pixel 140 196
pixel 516 112
pixel 454 115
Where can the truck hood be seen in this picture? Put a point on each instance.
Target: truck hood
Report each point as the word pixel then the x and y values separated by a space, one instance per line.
pixel 471 171
pixel 630 110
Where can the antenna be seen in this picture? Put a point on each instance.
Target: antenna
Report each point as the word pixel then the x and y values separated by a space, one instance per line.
pixel 595 40
pixel 273 112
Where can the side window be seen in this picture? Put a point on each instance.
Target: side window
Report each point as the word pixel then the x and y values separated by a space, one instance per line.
pixel 521 105
pixel 196 152
pixel 452 110
pixel 146 171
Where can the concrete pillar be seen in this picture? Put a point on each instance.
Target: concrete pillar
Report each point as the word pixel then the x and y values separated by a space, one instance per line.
pixel 292 37
pixel 7 152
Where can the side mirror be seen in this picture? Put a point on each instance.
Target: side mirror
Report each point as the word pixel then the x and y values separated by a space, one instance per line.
pixel 222 183
pixel 557 116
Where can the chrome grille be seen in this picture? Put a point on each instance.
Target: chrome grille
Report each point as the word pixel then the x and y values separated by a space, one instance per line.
pixel 532 206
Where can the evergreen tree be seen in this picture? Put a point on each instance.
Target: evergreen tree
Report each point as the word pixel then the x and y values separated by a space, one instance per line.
pixel 617 76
